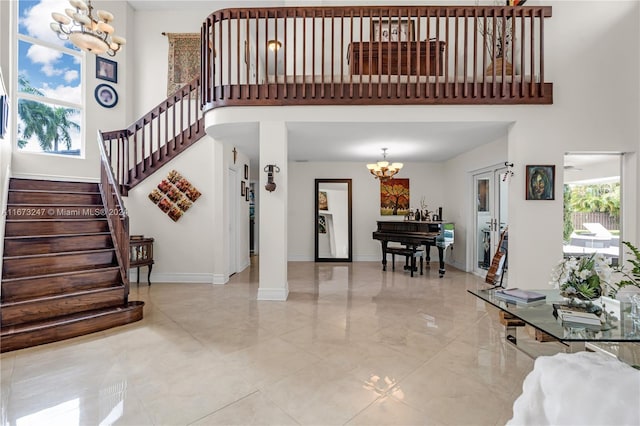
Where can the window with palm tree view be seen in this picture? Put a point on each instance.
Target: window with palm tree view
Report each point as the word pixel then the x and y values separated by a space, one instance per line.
pixel 592 205
pixel 49 95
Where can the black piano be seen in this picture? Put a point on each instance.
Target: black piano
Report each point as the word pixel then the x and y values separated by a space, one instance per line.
pixel 414 234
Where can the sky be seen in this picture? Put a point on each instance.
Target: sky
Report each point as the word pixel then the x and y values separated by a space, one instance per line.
pixel 54 73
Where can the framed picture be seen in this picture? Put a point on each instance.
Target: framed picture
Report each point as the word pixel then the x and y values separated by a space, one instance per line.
pixel 242 188
pixel 106 95
pixel 246 171
pixel 540 181
pixel 106 69
pixel 392 30
pixel 246 194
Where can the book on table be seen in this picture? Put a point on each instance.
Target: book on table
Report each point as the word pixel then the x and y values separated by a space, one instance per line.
pixel 519 295
pixel 577 317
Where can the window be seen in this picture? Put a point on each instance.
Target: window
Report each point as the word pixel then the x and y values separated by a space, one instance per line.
pixel 592 205
pixel 49 93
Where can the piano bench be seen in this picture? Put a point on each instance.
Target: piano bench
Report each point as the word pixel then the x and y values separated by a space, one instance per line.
pixel 410 258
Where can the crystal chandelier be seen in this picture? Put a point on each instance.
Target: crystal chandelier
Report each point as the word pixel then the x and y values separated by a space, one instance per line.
pixel 382 169
pixel 89 33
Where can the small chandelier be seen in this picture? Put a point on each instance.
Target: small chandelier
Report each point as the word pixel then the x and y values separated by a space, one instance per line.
pixel 382 169
pixel 87 32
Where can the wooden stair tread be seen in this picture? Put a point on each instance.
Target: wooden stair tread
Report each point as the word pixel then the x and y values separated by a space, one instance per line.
pixel 87 234
pixel 62 274
pixel 82 219
pixel 53 322
pixel 63 253
pixel 61 296
pixel 52 191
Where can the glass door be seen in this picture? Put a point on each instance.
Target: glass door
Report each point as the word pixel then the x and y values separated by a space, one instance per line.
pixel 490 215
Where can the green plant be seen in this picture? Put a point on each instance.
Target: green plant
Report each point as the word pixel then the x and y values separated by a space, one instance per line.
pixel 630 277
pixel 567 216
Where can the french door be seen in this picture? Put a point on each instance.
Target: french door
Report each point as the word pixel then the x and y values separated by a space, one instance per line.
pixel 490 214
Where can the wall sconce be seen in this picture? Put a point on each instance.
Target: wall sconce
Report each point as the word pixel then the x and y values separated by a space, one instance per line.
pixel 274 45
pixel 270 169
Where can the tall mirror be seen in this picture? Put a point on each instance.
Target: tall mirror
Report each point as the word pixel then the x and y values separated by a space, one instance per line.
pixel 333 220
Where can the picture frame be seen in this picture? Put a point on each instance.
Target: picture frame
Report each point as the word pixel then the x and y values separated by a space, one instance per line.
pixel 246 171
pixel 246 194
pixel 106 69
pixel 106 96
pixel 392 30
pixel 242 188
pixel 540 182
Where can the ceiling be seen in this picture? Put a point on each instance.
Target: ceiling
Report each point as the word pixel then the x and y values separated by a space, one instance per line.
pixel 363 142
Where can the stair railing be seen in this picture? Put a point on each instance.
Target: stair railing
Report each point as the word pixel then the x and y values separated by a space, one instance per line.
pixel 168 129
pixel 115 213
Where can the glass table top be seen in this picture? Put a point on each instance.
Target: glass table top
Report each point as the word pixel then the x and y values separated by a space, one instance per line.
pixel 622 327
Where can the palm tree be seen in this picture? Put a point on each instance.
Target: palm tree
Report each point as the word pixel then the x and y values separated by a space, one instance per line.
pixel 50 125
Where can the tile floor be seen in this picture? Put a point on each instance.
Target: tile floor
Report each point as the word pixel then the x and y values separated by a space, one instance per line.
pixel 352 346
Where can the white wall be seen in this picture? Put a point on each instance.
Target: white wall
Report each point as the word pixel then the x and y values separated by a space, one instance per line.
pixel 426 180
pixel 184 250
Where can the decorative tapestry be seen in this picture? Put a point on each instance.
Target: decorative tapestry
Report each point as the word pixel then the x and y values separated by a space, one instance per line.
pixel 184 60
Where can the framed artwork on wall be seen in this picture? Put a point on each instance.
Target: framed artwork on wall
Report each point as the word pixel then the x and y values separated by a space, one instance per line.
pixel 246 171
pixel 106 95
pixel 392 30
pixel 242 188
pixel 106 69
pixel 540 181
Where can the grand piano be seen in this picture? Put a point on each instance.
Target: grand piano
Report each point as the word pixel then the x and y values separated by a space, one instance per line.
pixel 414 234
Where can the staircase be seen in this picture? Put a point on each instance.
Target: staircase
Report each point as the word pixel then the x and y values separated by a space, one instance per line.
pixel 61 275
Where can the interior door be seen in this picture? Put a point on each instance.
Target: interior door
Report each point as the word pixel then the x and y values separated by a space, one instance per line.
pixel 490 215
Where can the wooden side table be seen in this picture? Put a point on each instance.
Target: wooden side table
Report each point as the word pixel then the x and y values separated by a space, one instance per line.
pixel 141 254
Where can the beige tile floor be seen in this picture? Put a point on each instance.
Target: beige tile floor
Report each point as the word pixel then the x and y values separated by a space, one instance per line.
pixel 352 346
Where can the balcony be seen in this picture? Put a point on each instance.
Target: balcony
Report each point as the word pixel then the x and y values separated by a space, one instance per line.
pixel 384 55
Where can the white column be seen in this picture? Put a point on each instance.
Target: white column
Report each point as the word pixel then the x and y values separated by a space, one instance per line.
pixel 220 219
pixel 273 283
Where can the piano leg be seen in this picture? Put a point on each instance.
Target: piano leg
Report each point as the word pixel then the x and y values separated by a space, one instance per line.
pixel 384 256
pixel 441 258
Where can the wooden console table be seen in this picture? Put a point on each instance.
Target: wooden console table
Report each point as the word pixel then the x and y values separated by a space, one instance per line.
pixel 141 254
pixel 393 51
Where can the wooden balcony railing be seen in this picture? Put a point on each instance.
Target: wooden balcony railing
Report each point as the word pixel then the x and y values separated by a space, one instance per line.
pixel 168 129
pixel 344 56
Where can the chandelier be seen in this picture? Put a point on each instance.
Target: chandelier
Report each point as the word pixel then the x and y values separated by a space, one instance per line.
pixel 382 169
pixel 89 33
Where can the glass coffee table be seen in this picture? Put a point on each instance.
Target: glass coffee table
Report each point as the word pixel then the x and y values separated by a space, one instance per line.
pixel 540 316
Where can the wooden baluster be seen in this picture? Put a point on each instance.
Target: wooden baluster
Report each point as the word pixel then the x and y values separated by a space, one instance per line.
pixel 275 54
pixel 285 51
pixel 419 52
pixel 352 54
pixel 322 48
pixel 388 54
pixel 304 53
pixel 437 53
pixel 533 54
pixel 266 53
pixel 399 59
pixel 475 53
pixel 485 38
pixel 456 92
pixel 465 49
pixel 341 53
pixel 446 53
pixel 238 55
pixel 541 25
pixel 503 70
pixel 295 53
pixel 522 54
pixel 313 53
pixel 257 58
pixel 333 34
pixel 229 75
pixel 427 58
pixel 513 52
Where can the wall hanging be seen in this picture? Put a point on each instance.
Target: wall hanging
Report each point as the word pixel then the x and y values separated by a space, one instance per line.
pixel 174 195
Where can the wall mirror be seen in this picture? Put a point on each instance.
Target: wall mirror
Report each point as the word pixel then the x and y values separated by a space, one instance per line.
pixel 333 220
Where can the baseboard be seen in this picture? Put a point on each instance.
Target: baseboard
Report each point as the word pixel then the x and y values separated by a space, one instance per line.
pixel 274 294
pixel 179 277
pixel 220 279
pixel 300 258
pixel 56 177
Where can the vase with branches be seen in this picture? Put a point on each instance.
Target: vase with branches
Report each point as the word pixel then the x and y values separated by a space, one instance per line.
pixel 498 37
